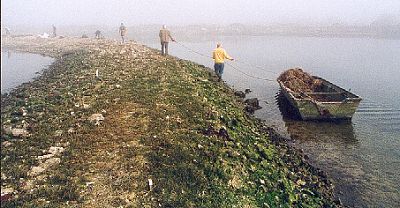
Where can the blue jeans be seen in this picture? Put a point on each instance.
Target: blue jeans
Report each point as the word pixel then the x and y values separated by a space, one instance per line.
pixel 219 69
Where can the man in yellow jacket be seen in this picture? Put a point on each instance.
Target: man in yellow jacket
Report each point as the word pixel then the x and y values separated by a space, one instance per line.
pixel 219 56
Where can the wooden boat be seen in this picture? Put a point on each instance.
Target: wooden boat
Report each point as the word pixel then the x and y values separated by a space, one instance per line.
pixel 331 102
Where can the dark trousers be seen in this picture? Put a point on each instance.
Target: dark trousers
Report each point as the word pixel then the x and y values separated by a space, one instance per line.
pixel 164 48
pixel 219 69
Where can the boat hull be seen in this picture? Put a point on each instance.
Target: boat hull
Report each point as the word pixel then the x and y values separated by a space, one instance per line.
pixel 343 107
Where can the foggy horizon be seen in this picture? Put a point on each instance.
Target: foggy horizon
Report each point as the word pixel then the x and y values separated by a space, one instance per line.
pixel 179 13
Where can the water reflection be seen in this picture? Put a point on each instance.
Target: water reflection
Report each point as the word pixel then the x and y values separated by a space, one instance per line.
pixel 329 145
pixel 17 68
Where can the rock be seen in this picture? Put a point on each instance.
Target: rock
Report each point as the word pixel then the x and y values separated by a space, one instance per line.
pixel 86 106
pixel 51 162
pixel 19 132
pixel 42 157
pixel 249 109
pixel 6 143
pixel 252 105
pixel 96 118
pixel 56 150
pixel 252 102
pixel 247 91
pixel 6 193
pixel 58 133
pixel 240 94
pixel 223 133
pixel 71 130
pixel 209 131
pixel 3 176
pixel 35 171
pixel 7 129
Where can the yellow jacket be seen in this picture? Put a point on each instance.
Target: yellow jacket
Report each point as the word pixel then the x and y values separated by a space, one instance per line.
pixel 219 55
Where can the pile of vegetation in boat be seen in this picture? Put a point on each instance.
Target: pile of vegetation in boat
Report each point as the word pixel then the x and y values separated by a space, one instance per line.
pixel 299 81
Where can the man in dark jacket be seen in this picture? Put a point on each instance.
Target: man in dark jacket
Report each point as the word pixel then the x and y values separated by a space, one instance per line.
pixel 165 35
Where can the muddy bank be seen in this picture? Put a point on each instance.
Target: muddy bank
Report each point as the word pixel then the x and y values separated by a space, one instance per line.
pixel 120 125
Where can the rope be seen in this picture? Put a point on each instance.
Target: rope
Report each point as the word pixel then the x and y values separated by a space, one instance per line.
pixel 191 50
pixel 255 66
pixel 236 68
pixel 249 74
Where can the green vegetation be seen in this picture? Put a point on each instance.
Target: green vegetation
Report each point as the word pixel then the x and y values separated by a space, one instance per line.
pixel 165 119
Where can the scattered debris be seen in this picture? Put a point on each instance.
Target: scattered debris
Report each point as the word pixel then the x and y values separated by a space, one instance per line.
pixel 150 184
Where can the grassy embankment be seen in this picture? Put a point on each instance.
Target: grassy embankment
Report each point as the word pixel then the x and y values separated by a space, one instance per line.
pixel 164 120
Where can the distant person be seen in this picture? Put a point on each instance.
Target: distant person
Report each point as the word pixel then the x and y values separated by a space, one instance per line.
pixel 8 31
pixel 98 34
pixel 165 35
pixel 54 31
pixel 219 55
pixel 122 32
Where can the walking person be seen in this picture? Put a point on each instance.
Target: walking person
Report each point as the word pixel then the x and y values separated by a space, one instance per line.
pixel 122 32
pixel 219 55
pixel 165 36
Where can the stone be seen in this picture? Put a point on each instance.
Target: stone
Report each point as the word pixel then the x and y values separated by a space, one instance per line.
pixel 56 150
pixel 58 133
pixel 240 94
pixel 6 143
pixel 35 171
pixel 71 130
pixel 6 193
pixel 252 102
pixel 19 132
pixel 51 162
pixel 7 129
pixel 3 176
pixel 96 118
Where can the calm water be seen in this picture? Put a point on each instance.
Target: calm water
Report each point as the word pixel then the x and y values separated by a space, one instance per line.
pixel 17 68
pixel 361 156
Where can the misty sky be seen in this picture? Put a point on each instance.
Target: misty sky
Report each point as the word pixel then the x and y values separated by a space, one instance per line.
pixel 174 12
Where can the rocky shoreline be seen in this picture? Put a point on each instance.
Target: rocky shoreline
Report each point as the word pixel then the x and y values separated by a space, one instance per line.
pixel 119 125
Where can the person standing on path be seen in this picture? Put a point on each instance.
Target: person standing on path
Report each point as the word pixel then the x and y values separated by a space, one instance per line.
pixel 219 55
pixel 54 31
pixel 165 35
pixel 97 34
pixel 122 32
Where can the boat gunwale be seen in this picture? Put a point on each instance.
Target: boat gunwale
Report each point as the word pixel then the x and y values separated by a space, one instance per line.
pixel 355 99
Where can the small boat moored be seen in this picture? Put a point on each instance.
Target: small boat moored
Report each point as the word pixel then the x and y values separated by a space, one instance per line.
pixel 316 98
